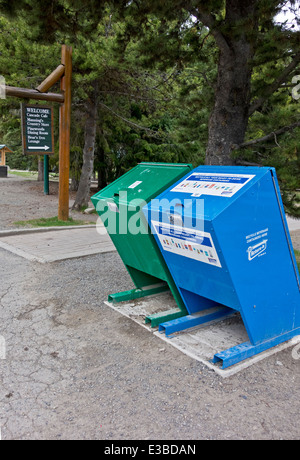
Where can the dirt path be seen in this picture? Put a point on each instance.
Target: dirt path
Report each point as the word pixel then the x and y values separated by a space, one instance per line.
pixel 25 200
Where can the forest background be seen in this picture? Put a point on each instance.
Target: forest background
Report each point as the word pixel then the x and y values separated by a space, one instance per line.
pixel 213 82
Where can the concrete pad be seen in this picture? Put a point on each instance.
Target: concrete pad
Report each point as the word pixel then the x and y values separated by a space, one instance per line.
pixel 200 343
pixel 52 245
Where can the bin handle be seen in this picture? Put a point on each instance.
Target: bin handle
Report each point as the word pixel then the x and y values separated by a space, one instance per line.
pixel 116 194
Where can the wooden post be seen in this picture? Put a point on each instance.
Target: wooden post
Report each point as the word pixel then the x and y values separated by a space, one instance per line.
pixel 52 79
pixel 64 135
pixel 33 94
pixel 3 158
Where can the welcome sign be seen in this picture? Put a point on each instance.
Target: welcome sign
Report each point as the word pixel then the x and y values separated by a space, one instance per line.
pixel 37 129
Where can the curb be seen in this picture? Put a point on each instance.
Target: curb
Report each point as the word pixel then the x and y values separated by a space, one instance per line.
pixel 25 231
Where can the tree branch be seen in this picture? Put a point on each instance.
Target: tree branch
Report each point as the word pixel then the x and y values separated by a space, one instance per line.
pixel 273 134
pixel 134 96
pixel 246 163
pixel 275 85
pixel 209 21
pixel 150 132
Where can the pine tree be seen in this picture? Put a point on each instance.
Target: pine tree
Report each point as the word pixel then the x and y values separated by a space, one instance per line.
pixel 246 37
pixel 226 64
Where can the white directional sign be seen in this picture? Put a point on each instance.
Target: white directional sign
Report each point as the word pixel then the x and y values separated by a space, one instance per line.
pixel 37 129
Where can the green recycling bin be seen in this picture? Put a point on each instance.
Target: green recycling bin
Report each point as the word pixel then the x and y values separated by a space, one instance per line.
pixel 119 206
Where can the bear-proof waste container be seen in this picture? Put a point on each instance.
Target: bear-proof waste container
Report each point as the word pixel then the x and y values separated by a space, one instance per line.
pixel 3 171
pixel 224 236
pixel 119 206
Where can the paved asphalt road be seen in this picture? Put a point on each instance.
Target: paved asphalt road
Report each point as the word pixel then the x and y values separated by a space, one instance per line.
pixel 76 369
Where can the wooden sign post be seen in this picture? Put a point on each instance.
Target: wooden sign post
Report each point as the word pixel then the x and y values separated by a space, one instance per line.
pixel 64 135
pixel 63 73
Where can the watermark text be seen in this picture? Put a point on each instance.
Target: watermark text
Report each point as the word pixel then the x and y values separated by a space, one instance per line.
pixel 125 217
pixel 296 89
pixel 2 87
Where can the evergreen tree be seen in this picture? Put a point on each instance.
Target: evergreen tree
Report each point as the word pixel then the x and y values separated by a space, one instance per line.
pixel 246 36
pixel 222 70
pixel 256 61
pixel 23 63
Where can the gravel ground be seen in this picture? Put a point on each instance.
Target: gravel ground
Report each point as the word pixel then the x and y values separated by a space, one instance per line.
pixel 25 200
pixel 76 369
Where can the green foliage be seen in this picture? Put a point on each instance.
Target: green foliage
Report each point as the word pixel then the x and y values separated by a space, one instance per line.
pixel 22 66
pixel 297 254
pixel 155 67
pixel 280 151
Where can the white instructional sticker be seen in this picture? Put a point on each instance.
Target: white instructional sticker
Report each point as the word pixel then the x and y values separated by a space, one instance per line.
pixel 187 242
pixel 224 185
pixel 135 184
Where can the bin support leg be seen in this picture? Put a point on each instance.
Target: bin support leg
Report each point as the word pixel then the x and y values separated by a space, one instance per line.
pixel 157 318
pixel 137 293
pixel 246 350
pixel 203 317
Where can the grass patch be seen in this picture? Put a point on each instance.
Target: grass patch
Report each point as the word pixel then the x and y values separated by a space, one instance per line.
pixel 50 222
pixel 297 254
pixel 28 174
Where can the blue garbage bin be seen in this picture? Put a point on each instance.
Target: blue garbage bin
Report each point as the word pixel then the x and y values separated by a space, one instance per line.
pixel 223 233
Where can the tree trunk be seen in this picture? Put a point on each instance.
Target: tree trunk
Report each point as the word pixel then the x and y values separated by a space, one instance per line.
pixel 229 118
pixel 74 184
pixel 102 173
pixel 40 169
pixel 83 193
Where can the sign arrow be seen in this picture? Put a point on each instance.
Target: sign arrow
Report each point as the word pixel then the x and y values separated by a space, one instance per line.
pixel 39 148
